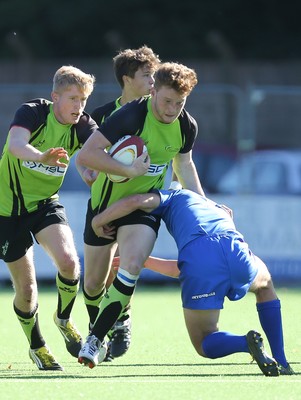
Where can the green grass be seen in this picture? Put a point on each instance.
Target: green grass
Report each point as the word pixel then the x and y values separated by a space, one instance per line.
pixel 161 363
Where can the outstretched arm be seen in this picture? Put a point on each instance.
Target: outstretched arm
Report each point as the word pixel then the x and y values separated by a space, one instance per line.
pixel 20 147
pixel 163 266
pixel 160 265
pixel 146 202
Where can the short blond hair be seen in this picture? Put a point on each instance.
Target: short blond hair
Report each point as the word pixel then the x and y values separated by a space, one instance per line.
pixel 68 75
pixel 176 76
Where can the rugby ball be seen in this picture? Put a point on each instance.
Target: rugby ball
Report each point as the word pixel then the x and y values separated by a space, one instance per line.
pixel 126 150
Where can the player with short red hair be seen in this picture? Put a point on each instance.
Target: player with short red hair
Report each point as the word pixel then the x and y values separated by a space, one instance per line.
pixel 169 133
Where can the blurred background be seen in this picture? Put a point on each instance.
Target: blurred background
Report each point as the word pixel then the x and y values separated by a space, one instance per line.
pixel 247 102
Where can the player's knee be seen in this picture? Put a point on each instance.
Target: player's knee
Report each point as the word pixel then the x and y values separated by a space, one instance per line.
pixel 263 278
pixel 28 292
pixel 93 286
pixel 133 268
pixel 263 286
pixel 200 351
pixel 69 266
pixel 197 342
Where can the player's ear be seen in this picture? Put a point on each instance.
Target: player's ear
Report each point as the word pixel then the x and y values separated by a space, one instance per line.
pixel 126 79
pixel 55 97
pixel 153 91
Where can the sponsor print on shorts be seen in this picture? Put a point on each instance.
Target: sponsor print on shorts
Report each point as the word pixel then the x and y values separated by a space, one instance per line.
pixel 202 296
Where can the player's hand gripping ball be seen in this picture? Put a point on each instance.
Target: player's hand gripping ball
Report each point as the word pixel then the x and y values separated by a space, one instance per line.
pixel 126 150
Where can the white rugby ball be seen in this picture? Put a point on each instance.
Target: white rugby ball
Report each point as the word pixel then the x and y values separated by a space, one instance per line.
pixel 126 150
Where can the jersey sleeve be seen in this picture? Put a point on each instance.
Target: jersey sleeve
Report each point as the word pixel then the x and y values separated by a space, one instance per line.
pixel 189 129
pixel 31 114
pixel 85 127
pixel 127 120
pixel 102 112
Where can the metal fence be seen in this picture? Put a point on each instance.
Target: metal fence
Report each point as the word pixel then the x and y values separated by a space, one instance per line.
pixel 227 115
pixel 231 120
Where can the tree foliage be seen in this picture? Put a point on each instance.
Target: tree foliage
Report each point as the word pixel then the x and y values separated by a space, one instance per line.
pixel 211 29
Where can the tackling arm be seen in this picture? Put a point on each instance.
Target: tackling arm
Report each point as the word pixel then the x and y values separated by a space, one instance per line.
pixel 146 202
pixel 163 266
pixel 160 265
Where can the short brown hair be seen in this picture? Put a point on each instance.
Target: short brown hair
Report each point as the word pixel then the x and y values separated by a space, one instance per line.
pixel 176 76
pixel 128 61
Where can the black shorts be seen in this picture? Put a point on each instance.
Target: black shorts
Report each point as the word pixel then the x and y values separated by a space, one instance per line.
pixel 135 218
pixel 16 233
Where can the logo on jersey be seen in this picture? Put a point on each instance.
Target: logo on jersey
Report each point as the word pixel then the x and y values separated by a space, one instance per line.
pixel 171 149
pixel 155 169
pixel 40 143
pixel 44 169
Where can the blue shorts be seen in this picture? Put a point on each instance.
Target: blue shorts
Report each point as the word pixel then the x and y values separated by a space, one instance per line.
pixel 212 268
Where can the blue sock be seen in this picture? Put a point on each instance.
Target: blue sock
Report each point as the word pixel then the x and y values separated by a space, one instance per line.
pixel 269 314
pixel 221 344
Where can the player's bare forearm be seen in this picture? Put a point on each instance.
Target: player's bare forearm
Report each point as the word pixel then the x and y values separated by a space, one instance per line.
pixel 163 266
pixel 160 265
pixel 123 207
pixel 94 157
pixel 88 175
pixel 186 172
pixel 20 147
pixel 146 202
pixel 117 210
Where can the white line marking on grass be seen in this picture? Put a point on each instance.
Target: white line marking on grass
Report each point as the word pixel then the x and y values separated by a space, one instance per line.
pixel 126 381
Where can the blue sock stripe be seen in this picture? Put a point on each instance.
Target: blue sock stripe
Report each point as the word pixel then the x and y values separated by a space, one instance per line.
pixel 127 278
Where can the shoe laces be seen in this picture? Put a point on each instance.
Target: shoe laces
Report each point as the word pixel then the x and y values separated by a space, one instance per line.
pixel 69 328
pixel 45 356
pixel 93 342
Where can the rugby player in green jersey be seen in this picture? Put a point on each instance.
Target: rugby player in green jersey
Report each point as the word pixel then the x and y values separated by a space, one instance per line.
pixel 42 137
pixel 169 133
pixel 134 71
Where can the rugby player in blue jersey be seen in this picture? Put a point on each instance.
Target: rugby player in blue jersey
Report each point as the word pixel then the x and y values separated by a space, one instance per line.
pixel 214 262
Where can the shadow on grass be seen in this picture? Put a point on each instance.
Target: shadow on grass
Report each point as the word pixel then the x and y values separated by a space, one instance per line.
pixel 9 373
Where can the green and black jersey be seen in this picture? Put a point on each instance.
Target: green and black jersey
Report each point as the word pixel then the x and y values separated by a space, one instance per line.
pixel 23 184
pixel 163 142
pixel 103 112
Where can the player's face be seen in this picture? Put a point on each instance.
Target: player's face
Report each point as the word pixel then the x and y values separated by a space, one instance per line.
pixel 167 104
pixel 69 105
pixel 142 82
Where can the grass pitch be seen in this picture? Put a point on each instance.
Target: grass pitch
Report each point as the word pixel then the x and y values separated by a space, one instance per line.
pixel 161 363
